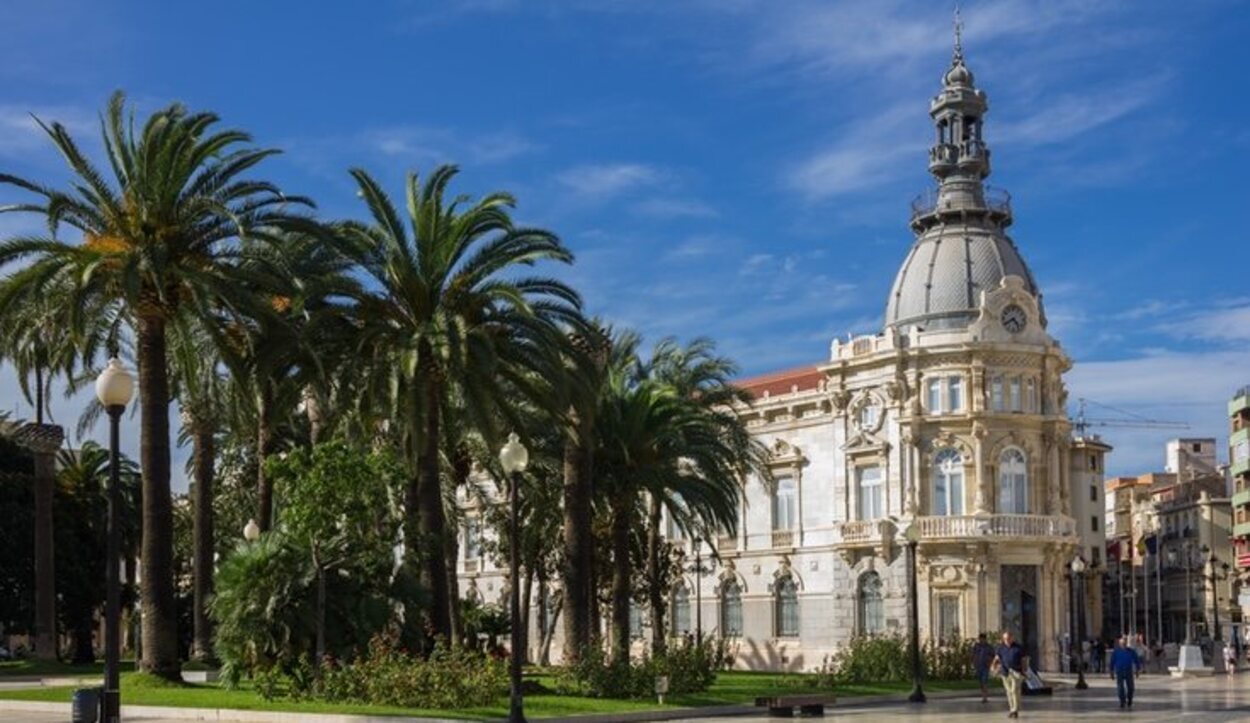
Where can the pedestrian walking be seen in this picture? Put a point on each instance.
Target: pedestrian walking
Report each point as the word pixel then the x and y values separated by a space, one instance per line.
pixel 1009 663
pixel 1099 651
pixel 1230 658
pixel 1086 651
pixel 1125 666
pixel 982 657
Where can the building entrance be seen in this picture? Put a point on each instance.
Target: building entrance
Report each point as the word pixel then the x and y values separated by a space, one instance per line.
pixel 1019 606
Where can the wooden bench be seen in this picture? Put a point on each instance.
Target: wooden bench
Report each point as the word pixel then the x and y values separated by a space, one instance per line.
pixel 782 706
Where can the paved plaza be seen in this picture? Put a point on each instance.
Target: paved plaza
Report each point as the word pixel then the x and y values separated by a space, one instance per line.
pixel 1218 699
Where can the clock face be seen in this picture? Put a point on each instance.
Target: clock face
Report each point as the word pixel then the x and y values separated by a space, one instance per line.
pixel 1014 319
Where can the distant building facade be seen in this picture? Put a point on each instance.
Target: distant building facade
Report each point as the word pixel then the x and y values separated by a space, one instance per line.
pixel 1239 472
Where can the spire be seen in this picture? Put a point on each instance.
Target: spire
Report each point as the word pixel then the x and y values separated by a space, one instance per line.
pixel 957 57
pixel 959 158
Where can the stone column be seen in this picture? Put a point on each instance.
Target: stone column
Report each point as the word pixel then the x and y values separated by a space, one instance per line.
pixel 982 501
pixel 43 440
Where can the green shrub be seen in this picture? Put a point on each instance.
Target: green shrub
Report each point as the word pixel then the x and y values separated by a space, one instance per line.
pixel 387 675
pixel 887 659
pixel 690 668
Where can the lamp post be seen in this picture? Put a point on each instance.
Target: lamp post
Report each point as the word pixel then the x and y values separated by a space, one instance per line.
pixel 912 535
pixel 698 589
pixel 1078 581
pixel 114 388
pixel 514 458
pixel 1214 564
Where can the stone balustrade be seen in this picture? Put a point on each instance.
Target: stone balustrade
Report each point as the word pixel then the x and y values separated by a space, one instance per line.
pixel 870 532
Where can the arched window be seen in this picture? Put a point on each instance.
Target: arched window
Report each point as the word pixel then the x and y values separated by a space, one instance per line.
pixel 1013 482
pixel 871 502
pixel 948 483
pixel 731 610
pixel 681 609
pixel 871 607
pixel 787 608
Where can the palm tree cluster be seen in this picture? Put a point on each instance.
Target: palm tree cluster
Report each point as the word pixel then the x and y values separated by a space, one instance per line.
pixel 421 328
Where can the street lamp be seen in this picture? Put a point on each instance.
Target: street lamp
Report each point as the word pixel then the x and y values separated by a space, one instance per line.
pixel 514 458
pixel 1078 581
pixel 251 531
pixel 1214 564
pixel 912 536
pixel 114 388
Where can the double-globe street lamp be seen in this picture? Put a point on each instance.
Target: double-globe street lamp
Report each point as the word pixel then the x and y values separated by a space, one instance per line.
pixel 114 388
pixel 514 458
pixel 912 536
pixel 1217 572
pixel 1078 597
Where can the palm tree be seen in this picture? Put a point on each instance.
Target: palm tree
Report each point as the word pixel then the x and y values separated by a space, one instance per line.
pixel 448 315
pixel 660 441
pixel 159 237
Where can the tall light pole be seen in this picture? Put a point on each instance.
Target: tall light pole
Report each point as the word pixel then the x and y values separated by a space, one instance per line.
pixel 698 589
pixel 912 535
pixel 1078 582
pixel 114 388
pixel 514 458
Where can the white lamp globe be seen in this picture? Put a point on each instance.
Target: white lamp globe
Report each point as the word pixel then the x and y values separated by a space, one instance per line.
pixel 114 387
pixel 514 456
pixel 912 534
pixel 1078 565
pixel 251 531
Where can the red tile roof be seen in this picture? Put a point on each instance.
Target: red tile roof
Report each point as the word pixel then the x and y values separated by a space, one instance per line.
pixel 783 382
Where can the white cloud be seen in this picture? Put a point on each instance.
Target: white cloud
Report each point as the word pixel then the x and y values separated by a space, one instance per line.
pixel 867 155
pixel 20 134
pixel 669 208
pixel 1226 324
pixel 609 179
pixel 419 145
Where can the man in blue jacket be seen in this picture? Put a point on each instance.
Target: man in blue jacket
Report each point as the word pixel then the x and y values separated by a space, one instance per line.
pixel 1009 662
pixel 1125 664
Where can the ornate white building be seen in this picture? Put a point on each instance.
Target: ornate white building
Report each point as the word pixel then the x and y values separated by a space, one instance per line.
pixel 951 418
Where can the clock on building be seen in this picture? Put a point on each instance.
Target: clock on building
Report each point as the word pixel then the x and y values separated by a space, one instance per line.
pixel 1014 319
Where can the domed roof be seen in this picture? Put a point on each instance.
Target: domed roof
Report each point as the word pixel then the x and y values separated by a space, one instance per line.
pixel 940 282
pixel 958 75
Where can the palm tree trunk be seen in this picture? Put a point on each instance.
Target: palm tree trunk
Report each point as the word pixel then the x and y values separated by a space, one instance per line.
pixel 431 519
pixel 38 395
pixel 462 468
pixel 160 616
pixel 622 519
pixel 579 588
pixel 264 448
pixel 204 443
pixel 316 416
pixel 43 441
pixel 654 594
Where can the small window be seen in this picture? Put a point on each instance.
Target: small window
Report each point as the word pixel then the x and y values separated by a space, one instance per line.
pixel 1015 394
pixel 996 394
pixel 731 610
pixel 1093 493
pixel 785 505
pixel 1093 463
pixel 1030 396
pixel 1093 523
pixel 635 621
pixel 957 393
pixel 681 610
pixel 935 395
pixel 871 506
pixel 948 618
pixel 472 539
pixel 868 415
pixel 1197 447
pixel 871 605
pixel 1095 556
pixel 787 608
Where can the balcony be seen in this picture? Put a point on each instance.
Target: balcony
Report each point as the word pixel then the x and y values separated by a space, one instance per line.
pixel 1241 499
pixel 863 533
pixel 996 201
pixel 998 526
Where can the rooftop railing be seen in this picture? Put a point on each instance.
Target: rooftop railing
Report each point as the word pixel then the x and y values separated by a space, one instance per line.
pixel 997 200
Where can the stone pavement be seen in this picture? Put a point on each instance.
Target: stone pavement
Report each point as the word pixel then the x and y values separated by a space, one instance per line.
pixel 1217 699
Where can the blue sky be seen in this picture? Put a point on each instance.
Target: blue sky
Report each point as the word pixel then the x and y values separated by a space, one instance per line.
pixel 740 168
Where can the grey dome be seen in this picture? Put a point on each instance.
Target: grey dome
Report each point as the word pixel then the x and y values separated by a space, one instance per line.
pixel 940 282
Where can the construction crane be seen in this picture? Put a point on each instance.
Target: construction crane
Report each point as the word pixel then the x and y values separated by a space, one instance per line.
pixel 1135 421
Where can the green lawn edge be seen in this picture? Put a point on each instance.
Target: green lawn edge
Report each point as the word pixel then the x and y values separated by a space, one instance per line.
pixel 731 688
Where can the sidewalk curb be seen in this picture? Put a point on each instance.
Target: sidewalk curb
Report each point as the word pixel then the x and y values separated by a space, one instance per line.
pixel 142 712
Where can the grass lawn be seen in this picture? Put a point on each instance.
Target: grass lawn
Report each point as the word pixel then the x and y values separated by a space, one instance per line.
pixel 731 688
